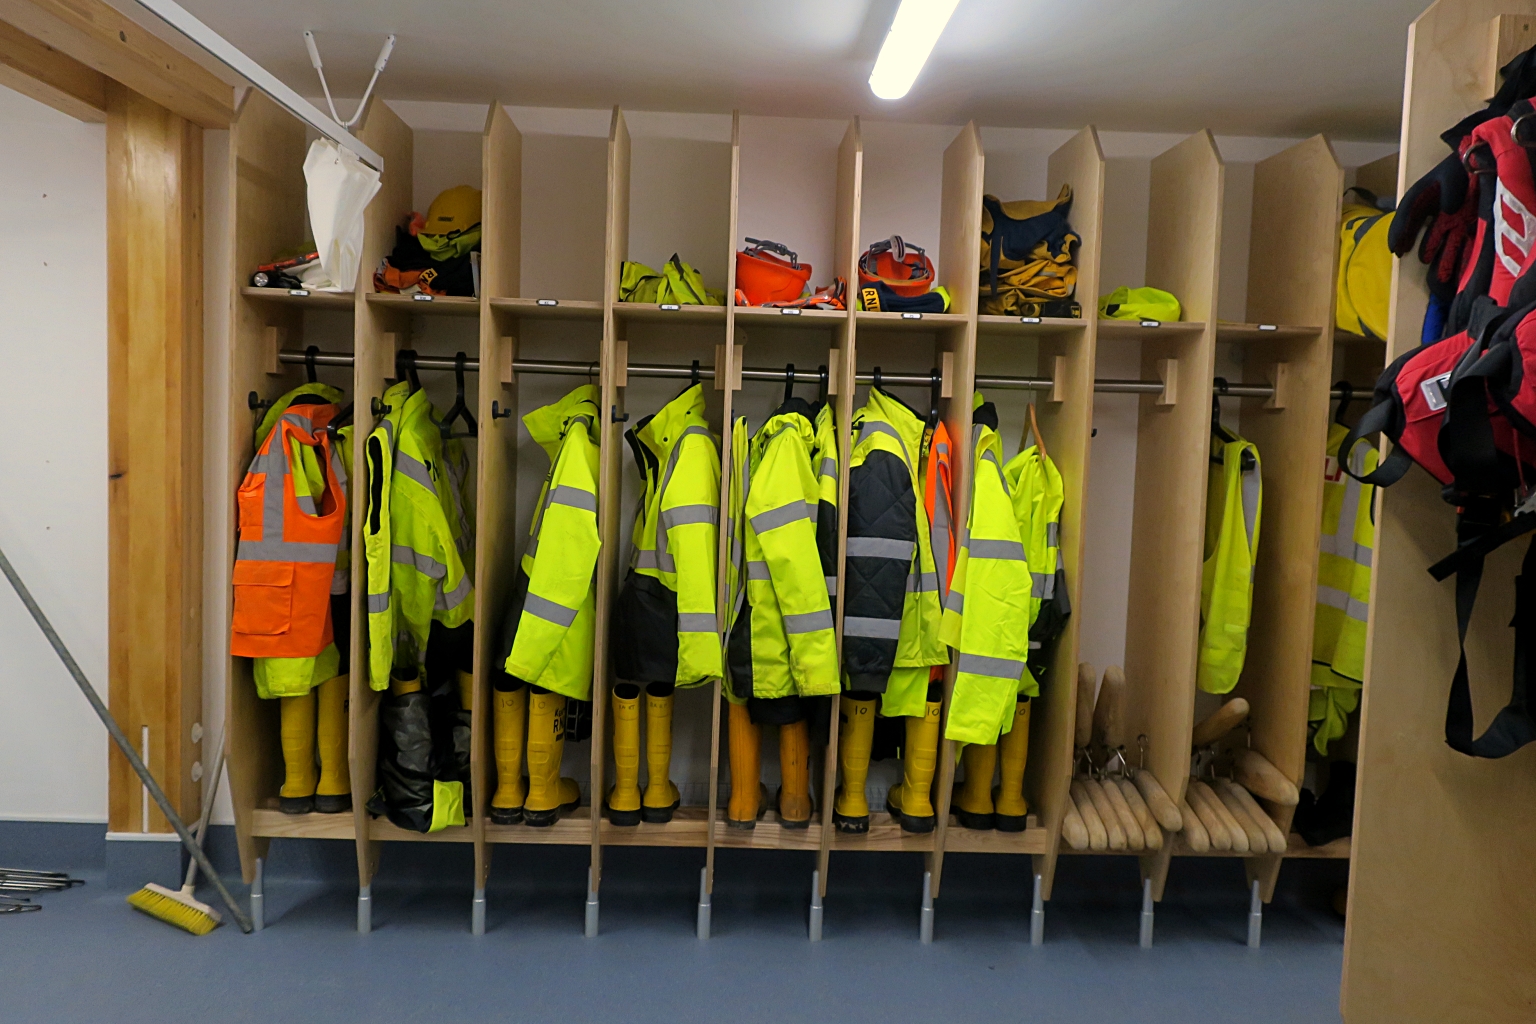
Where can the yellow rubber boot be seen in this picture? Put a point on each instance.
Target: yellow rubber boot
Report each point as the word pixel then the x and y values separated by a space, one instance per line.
pixel 298 732
pixel 973 804
pixel 661 796
pixel 548 793
pixel 509 722
pixel 911 800
pixel 795 775
pixel 624 798
pixel 1013 753
pixel 745 740
pixel 855 739
pixel 334 794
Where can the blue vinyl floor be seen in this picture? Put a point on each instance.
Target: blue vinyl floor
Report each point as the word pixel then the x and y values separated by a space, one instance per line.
pixel 87 957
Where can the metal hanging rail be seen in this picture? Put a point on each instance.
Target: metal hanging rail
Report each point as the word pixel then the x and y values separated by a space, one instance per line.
pixel 295 357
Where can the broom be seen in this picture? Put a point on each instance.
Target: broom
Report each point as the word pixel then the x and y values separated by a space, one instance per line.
pixel 181 908
pixel 116 732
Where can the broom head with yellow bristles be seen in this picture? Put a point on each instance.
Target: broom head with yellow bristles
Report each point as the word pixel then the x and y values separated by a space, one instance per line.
pixel 177 908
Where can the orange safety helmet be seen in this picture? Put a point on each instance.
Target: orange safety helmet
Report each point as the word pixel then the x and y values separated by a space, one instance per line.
pixel 904 269
pixel 762 277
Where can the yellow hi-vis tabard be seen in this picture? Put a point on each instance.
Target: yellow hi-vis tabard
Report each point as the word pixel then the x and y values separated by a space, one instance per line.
pixel 417 535
pixel 1232 508
pixel 664 628
pixel 891 610
pixel 1343 590
pixel 548 639
pixel 987 611
pixel 782 642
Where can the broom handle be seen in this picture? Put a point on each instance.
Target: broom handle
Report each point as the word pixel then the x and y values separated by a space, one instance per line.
pixel 122 743
pixel 202 821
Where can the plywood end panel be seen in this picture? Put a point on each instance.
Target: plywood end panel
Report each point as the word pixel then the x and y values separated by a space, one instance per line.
pixel 502 177
pixel 1184 224
pixel 960 219
pixel 1293 247
pixel 1379 176
pixel 850 199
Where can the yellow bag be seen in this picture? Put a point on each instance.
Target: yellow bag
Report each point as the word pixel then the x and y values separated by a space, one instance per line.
pixel 1140 304
pixel 1365 268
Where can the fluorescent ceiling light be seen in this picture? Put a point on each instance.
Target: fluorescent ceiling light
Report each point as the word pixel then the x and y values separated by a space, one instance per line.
pixel 917 26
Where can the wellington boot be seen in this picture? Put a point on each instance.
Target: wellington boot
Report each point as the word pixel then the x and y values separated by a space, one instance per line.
pixel 661 796
pixel 973 804
pixel 623 804
pixel 794 803
pixel 510 725
pixel 334 794
pixel 745 741
pixel 1013 753
pixel 855 740
pixel 548 793
pixel 911 800
pixel 299 776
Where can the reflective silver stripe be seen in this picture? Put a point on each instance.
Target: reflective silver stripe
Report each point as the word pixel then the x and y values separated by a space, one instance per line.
pixel 456 469
pixel 808 622
pixel 575 497
pixel 378 603
pixel 942 448
pixel 1252 483
pixel 549 611
pixel 1042 585
pixel 409 466
pixel 759 571
pixel 781 516
pixel 828 466
pixel 447 602
pixel 663 524
pixel 955 602
pixel 881 547
pixel 1335 598
pixel 920 581
pixel 877 427
pixel 878 629
pixel 1053 535
pixel 695 622
pixel 831 586
pixel 273 511
pixel 686 515
pixel 1005 550
pixel 938 540
pixel 306 504
pixel 389 430
pixel 997 668
pixel 400 554
pixel 659 560
pixel 1002 478
pixel 284 551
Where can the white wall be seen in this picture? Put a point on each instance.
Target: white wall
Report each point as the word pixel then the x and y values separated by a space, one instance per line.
pixel 787 194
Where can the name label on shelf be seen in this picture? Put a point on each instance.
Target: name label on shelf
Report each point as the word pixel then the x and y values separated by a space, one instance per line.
pixel 1151 323
pixel 548 302
pixel 302 293
pixel 911 316
pixel 421 297
pixel 1029 319
pixel 1268 327
pixel 789 312
pixel 670 305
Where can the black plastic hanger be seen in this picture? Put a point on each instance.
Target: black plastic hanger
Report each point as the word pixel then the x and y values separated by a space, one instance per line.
pixel 1220 432
pixel 406 359
pixel 822 386
pixel 1344 400
pixel 459 410
pixel 935 392
pixel 789 381
pixel 693 374
pixel 309 362
pixel 877 377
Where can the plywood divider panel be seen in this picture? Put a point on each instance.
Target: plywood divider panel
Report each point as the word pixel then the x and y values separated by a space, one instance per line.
pixel 1293 260
pixel 958 270
pixel 850 196
pixel 1067 426
pixel 496 451
pixel 376 332
pixel 266 156
pixel 1168 529
pixel 615 252
pixel 1438 916
pixel 1379 176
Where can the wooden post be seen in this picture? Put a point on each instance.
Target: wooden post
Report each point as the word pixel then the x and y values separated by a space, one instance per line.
pixel 155 414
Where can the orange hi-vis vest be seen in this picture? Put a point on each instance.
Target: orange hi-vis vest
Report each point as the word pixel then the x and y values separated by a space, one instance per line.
pixel 937 487
pixel 286 555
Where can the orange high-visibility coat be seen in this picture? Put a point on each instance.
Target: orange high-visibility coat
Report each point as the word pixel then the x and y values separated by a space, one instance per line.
pixel 937 488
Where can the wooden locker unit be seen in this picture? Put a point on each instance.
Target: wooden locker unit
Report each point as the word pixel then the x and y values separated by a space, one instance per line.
pixel 267 208
pixel 1437 911
pixel 1064 350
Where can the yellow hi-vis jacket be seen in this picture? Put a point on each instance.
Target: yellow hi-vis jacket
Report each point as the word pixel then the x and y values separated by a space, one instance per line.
pixel 1343 590
pixel 1035 485
pixel 664 628
pixel 891 610
pixel 551 625
pixel 987 610
pixel 782 642
pixel 1232 507
pixel 417 535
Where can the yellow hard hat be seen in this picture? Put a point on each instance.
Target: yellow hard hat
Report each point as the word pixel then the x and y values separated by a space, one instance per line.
pixel 457 209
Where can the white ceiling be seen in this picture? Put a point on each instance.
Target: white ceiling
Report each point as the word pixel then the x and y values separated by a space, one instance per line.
pixel 1243 67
